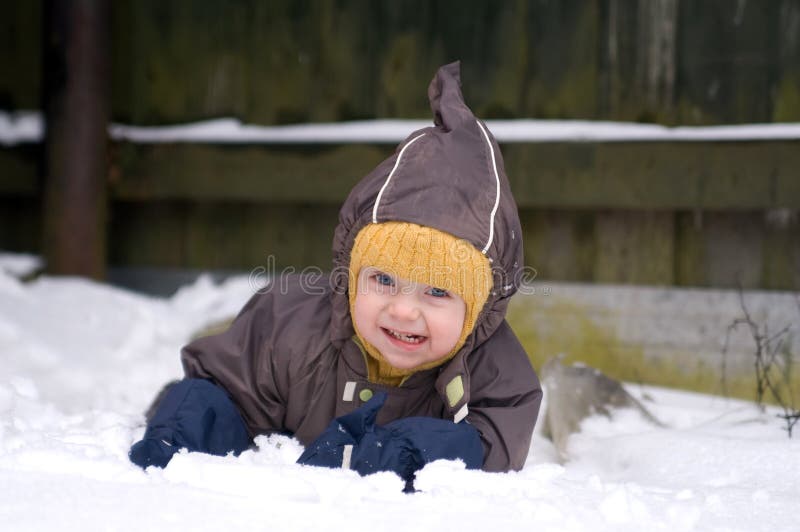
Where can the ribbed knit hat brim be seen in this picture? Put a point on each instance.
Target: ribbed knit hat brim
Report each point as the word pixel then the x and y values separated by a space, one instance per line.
pixel 427 256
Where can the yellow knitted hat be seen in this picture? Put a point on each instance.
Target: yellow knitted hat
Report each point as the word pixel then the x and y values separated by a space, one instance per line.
pixel 427 256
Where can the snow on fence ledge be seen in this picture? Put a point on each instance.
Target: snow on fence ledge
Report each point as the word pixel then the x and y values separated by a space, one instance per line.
pixel 659 212
pixel 27 126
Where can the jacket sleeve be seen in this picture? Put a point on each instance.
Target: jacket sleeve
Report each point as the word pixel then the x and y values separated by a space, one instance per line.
pixel 505 396
pixel 243 361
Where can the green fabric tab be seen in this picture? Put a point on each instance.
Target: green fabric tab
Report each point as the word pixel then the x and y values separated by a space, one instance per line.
pixel 365 394
pixel 455 391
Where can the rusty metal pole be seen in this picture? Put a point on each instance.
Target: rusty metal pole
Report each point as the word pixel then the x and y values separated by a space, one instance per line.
pixel 76 102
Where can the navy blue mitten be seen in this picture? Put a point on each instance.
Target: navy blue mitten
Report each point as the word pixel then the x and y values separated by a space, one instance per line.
pixel 194 414
pixel 404 446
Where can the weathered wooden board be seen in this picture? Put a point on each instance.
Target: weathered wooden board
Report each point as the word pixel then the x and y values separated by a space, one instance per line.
pixel 624 175
pixel 687 214
pixel 19 170
pixel 286 61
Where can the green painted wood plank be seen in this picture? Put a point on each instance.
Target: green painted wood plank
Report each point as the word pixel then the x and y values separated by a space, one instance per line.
pixel 289 61
pixel 254 173
pixel 559 244
pixel 781 264
pixel 212 236
pixel 727 249
pixel 147 234
pixel 787 175
pixel 19 171
pixel 643 175
pixel 634 247
pixel 646 175
pixel 689 249
pixel 20 224
pixel 20 53
pixel 656 175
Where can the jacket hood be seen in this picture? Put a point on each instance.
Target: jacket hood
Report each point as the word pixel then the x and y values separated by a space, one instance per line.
pixel 449 176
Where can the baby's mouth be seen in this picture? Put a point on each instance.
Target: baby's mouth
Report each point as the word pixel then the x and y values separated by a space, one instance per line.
pixel 403 337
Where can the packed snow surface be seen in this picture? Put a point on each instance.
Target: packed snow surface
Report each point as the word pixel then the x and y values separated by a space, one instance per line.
pixel 19 264
pixel 81 361
pixel 28 126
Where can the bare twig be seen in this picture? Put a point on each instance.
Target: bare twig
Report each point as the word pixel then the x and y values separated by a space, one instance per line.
pixel 791 419
pixel 773 374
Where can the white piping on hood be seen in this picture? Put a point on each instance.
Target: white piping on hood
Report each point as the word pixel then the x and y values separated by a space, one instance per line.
pixel 389 178
pixel 497 193
pixel 496 179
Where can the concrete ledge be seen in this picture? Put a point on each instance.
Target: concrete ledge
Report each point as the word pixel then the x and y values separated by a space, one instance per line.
pixel 666 336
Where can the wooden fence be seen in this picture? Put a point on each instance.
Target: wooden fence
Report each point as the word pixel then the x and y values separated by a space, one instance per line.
pixel 665 213
pixel 661 213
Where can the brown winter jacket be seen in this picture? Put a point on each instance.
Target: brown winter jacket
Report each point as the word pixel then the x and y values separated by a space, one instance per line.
pixel 289 361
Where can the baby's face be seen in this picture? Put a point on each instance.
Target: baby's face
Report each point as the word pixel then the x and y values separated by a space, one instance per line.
pixel 409 323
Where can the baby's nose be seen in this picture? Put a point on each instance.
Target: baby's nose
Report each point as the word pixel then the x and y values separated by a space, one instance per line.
pixel 404 307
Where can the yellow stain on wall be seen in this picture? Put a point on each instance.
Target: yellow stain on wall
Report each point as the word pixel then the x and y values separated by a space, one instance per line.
pixel 563 328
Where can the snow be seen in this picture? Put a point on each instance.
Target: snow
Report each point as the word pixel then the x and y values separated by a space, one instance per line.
pixel 27 126
pixel 20 264
pixel 82 360
pixel 229 130
pixel 20 127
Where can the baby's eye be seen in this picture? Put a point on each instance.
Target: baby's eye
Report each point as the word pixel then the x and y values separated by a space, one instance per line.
pixel 437 292
pixel 384 279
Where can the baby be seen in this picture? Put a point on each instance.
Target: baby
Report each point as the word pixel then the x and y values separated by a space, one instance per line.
pixel 400 356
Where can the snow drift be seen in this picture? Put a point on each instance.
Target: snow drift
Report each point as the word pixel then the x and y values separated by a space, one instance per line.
pixel 81 361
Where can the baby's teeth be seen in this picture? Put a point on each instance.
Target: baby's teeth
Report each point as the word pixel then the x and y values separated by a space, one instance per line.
pixel 404 337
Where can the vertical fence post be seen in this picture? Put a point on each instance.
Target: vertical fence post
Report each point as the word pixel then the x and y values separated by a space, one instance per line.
pixel 76 102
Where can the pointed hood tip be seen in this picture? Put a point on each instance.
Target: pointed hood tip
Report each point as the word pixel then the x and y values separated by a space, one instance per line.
pixel 447 102
pixel 453 70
